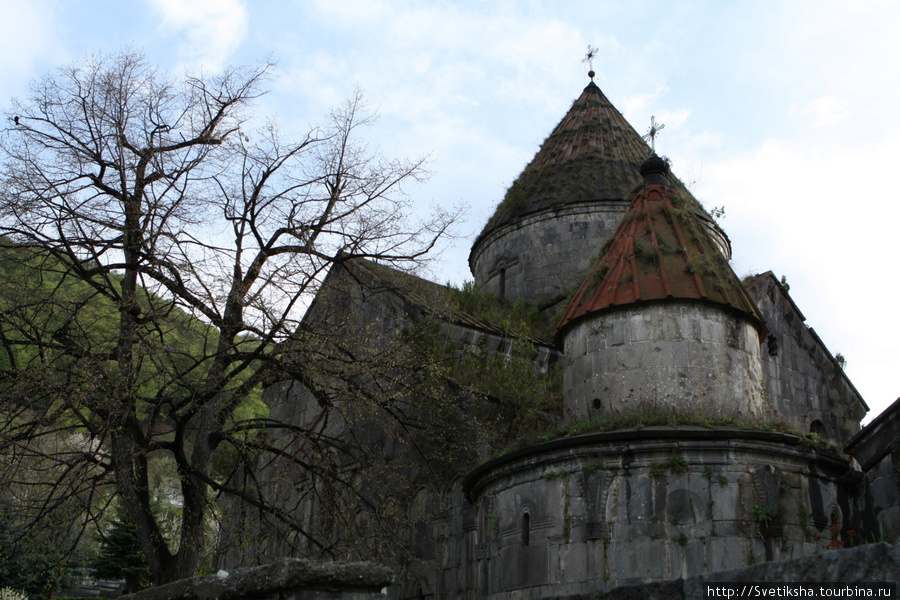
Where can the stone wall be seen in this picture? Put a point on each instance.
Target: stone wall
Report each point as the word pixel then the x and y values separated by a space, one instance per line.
pixel 591 512
pixel 678 356
pixel 596 511
pixel 284 579
pixel 874 563
pixel 877 448
pixel 803 383
pixel 882 500
pixel 370 450
pixel 544 255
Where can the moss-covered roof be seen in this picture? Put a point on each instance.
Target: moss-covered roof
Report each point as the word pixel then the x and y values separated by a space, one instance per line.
pixel 593 154
pixel 468 307
pixel 661 250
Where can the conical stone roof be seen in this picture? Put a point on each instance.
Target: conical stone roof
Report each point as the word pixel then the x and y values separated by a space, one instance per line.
pixel 660 251
pixel 593 154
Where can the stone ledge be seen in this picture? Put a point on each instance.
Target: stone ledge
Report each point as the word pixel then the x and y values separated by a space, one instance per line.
pixel 277 579
pixel 587 444
pixel 874 442
pixel 871 563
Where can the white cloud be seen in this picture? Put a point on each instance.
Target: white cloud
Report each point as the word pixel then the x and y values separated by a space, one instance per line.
pixel 826 110
pixel 673 118
pixel 211 30
pixel 702 142
pixel 638 103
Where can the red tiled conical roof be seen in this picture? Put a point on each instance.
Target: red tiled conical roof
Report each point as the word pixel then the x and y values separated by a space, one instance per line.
pixel 660 251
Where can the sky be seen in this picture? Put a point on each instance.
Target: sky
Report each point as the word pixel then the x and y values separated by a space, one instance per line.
pixel 781 112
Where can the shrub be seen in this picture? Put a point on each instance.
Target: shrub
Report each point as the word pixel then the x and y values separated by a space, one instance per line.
pixel 9 593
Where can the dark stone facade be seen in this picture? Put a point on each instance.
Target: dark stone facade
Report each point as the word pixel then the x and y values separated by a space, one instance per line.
pixel 593 512
pixel 804 385
pixel 542 257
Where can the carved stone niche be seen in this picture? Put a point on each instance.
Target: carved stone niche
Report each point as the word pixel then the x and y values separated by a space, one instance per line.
pixel 596 490
pixel 767 482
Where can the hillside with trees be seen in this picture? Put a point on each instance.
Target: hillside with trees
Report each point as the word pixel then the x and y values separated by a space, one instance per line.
pixel 157 249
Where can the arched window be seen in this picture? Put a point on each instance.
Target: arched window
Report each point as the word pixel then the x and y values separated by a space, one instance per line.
pixel 526 528
pixel 835 524
pixel 818 427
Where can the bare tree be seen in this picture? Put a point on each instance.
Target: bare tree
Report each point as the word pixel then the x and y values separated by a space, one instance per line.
pixel 163 250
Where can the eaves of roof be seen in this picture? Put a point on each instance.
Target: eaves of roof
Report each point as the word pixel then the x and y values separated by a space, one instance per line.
pixel 660 251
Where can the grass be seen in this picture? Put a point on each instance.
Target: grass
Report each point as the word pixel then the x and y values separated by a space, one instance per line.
pixel 593 467
pixel 676 463
pixel 658 470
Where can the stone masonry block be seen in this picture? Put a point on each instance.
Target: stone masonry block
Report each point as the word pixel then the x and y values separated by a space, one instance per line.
pixel 726 506
pixel 884 491
pixel 724 552
pixel 694 558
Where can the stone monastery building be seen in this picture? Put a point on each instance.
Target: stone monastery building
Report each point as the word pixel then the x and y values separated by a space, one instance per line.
pixel 697 424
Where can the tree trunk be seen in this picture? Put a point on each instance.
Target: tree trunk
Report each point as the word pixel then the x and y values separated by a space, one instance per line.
pixel 133 488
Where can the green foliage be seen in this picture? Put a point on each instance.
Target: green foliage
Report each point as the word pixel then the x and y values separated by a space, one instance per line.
pixel 171 264
pixel 177 349
pixel 501 372
pixel 882 537
pixel 658 470
pixel 519 319
pixel 9 593
pixel 841 361
pixel 676 463
pixel 34 563
pixel 785 485
pixel 472 299
pixel 120 556
pixel 681 539
pixel 593 467
pixel 516 198
pixel 46 314
pixel 762 513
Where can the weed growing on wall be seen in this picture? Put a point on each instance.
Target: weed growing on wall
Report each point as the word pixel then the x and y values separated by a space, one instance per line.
pixel 652 417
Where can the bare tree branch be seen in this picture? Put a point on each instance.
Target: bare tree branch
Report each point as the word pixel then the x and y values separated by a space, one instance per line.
pixel 165 251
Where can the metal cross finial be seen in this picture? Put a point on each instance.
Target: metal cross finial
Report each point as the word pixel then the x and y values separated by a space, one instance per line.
pixel 651 134
pixel 589 59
